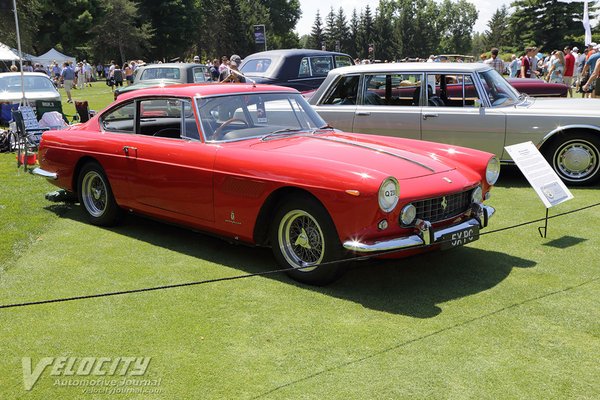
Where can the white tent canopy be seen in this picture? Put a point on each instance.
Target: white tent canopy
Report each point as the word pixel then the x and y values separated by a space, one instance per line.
pixel 52 55
pixel 8 54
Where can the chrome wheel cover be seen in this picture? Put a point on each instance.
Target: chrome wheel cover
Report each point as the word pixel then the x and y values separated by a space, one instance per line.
pixel 576 160
pixel 301 240
pixel 94 194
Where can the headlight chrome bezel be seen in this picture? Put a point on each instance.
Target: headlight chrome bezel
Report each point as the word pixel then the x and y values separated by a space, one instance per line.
pixel 492 171
pixel 389 194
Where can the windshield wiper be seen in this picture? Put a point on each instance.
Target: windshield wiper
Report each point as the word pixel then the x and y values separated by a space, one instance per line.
pixel 278 132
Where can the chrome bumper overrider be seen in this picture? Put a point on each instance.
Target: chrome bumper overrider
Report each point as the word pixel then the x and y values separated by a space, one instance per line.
pixel 426 236
pixel 45 174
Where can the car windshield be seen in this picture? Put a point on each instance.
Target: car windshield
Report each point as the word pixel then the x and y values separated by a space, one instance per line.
pixel 32 84
pixel 236 117
pixel 499 91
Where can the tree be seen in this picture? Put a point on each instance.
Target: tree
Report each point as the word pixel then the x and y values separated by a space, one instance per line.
pixel 498 33
pixel 329 31
pixel 342 33
pixel 118 34
pixel 172 21
pixel 317 37
pixel 545 23
pixel 384 31
pixel 29 15
pixel 457 20
pixel 365 33
pixel 353 33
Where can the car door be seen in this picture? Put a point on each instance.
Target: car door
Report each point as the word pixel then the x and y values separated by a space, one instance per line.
pixel 455 112
pixel 171 170
pixel 388 104
pixel 338 106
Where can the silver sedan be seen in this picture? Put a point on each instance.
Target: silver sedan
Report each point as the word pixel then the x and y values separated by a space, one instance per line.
pixel 463 104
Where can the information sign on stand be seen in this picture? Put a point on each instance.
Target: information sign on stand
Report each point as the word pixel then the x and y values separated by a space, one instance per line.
pixel 540 175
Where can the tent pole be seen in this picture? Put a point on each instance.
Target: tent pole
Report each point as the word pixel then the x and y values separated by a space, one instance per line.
pixel 23 99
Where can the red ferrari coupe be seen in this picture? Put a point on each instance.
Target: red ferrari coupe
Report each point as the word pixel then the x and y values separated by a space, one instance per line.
pixel 256 164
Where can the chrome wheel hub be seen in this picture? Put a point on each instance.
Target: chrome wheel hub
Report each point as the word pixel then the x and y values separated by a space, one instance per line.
pixel 577 160
pixel 301 240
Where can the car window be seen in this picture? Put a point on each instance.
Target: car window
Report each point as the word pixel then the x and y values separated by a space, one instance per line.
pixel 460 91
pixel 321 65
pixel 201 74
pixel 497 89
pixel 344 91
pixel 160 73
pixel 167 118
pixel 304 69
pixel 120 119
pixel 256 65
pixel 343 61
pixel 392 89
pixel 254 115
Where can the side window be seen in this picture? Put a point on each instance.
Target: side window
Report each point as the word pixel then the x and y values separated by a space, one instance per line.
pixel 161 117
pixel 201 74
pixel 394 89
pixel 304 70
pixel 120 119
pixel 342 61
pixel 460 91
pixel 344 92
pixel 321 65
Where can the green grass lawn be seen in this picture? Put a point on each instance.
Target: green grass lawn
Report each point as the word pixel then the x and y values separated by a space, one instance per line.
pixel 511 316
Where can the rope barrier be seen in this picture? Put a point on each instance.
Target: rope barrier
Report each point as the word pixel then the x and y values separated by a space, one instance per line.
pixel 264 273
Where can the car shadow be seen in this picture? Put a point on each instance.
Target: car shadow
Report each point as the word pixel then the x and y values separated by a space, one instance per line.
pixel 414 286
pixel 511 177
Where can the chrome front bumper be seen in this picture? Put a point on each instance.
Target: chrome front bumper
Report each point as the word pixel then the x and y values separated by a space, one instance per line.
pixel 45 174
pixel 426 236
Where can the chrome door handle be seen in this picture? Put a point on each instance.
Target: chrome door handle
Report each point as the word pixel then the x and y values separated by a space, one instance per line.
pixel 430 115
pixel 126 149
pixel 366 113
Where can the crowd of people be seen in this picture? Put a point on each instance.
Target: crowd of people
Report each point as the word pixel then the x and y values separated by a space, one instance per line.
pixel 224 70
pixel 578 70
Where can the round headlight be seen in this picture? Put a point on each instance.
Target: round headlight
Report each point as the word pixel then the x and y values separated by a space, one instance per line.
pixel 477 195
pixel 492 171
pixel 388 194
pixel 408 214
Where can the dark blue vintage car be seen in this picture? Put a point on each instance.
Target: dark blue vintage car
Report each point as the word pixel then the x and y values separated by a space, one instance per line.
pixel 301 69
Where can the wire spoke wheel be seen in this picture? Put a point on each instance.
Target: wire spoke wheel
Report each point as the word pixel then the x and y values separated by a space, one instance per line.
pixel 301 240
pixel 96 197
pixel 94 194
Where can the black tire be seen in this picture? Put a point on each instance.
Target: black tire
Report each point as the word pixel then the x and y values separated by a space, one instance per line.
pixel 302 233
pixel 96 197
pixel 576 158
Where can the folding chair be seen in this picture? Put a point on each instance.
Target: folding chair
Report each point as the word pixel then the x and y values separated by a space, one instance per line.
pixel 29 134
pixel 44 106
pixel 83 110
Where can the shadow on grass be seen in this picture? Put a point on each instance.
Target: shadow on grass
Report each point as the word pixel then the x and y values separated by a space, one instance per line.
pixel 511 177
pixel 565 242
pixel 413 286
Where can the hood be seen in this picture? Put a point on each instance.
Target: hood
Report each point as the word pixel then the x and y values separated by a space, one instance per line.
pixel 345 153
pixel 570 106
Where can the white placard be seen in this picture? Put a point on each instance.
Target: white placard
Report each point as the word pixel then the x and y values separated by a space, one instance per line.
pixel 539 173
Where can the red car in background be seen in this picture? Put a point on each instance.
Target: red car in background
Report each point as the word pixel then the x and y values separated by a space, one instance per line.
pixel 257 165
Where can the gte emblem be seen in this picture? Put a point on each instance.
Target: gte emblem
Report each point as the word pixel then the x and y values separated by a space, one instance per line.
pixel 444 203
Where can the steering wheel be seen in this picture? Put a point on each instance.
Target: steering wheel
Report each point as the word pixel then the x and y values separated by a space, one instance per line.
pixel 218 134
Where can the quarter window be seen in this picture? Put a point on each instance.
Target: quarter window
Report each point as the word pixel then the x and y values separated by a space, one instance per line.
pixel 120 119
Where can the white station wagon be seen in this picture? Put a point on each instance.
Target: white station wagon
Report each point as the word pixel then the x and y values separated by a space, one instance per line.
pixel 463 104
